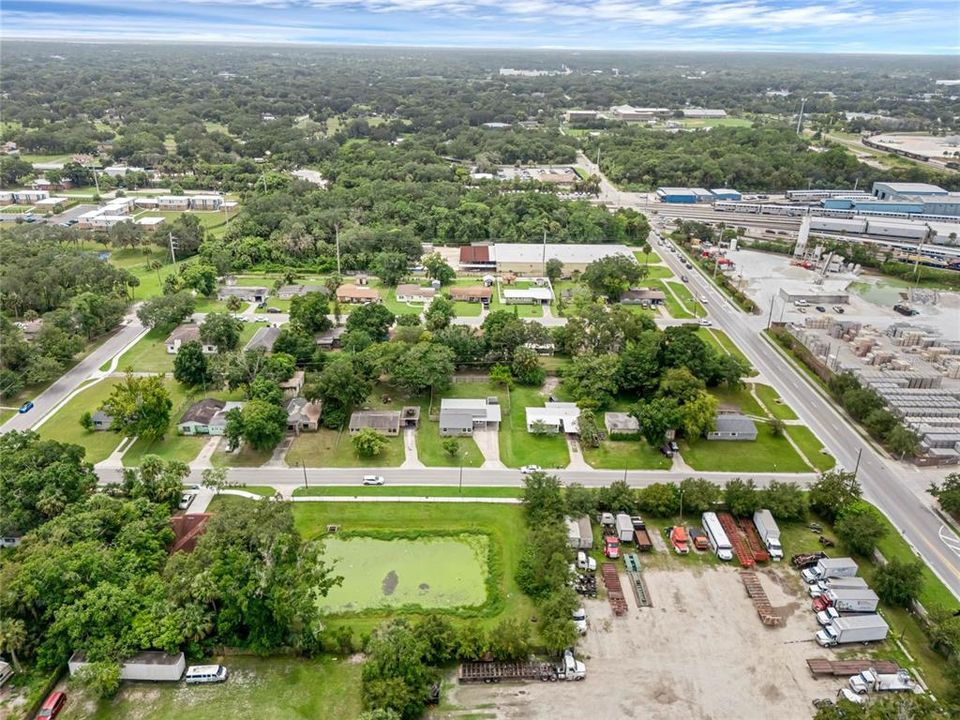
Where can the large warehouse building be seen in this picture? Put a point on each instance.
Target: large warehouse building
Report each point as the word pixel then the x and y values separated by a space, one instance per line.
pixel 531 258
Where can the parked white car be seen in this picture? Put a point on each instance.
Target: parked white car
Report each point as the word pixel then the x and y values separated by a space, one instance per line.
pixel 527 469
pixel 373 480
pixel 186 499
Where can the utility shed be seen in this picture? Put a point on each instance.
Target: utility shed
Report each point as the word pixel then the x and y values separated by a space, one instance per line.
pixel 733 426
pixel 150 665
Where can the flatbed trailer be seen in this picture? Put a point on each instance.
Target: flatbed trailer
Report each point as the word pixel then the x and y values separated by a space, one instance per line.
pixel 822 666
pixel 494 672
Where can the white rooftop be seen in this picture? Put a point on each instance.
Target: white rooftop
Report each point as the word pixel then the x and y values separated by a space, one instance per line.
pixel 537 293
pixel 554 414
pixel 573 253
pixel 150 221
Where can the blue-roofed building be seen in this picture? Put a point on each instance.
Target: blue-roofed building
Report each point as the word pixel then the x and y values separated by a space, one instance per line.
pixel 895 206
pixel 948 204
pixel 892 190
pixel 676 195
pixel 703 195
pixel 726 194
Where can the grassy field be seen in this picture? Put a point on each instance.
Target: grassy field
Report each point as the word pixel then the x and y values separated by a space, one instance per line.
pixel 810 446
pixel 771 400
pixel 741 398
pixel 766 454
pixel 437 572
pixel 150 353
pixel 650 257
pixel 629 454
pixel 331 448
pixel 519 447
pixel 64 426
pixel 504 525
pixel 286 688
pixel 657 272
pixel 409 491
pixel 686 297
pixel 246 456
pixel 431 453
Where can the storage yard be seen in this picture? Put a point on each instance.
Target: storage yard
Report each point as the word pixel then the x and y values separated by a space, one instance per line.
pixel 714 658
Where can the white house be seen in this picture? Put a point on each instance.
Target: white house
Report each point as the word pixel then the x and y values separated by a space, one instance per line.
pixel 185 334
pixel 459 416
pixel 414 293
pixel 555 417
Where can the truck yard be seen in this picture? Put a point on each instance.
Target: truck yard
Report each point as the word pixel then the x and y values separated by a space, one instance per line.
pixel 713 658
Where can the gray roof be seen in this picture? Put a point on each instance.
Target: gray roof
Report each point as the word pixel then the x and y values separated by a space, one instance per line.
pixel 263 338
pixel 184 333
pixel 735 423
pixel 620 422
pixel 376 419
pixel 479 408
pixel 203 411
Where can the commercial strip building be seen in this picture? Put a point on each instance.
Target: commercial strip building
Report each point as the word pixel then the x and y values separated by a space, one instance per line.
pixel 531 258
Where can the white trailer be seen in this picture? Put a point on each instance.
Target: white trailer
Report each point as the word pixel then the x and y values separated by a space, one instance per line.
pixel 824 224
pixel 150 665
pixel 718 538
pixel 769 532
pixel 852 599
pixel 853 629
pixel 907 230
pixel 830 568
pixel 624 527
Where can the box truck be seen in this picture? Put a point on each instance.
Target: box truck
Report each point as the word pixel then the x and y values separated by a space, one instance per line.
pixel 149 665
pixel 827 568
pixel 624 527
pixel 769 532
pixel 853 629
pixel 862 600
pixel 821 586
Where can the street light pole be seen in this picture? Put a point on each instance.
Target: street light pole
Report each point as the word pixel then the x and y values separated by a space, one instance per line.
pixel 304 468
pixel 461 474
pixel 857 468
pixel 681 506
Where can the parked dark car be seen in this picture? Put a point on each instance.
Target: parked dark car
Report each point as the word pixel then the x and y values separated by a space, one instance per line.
pixel 821 308
pixel 667 450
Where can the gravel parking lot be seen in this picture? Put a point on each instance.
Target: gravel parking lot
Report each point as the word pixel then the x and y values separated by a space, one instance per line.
pixel 700 652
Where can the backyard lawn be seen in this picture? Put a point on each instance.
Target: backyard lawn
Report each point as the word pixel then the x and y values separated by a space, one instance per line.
pixel 280 687
pixel 649 258
pixel 765 454
pixel 626 454
pixel 332 448
pixel 519 447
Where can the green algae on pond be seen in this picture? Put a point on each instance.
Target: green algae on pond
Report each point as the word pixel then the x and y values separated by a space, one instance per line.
pixel 439 572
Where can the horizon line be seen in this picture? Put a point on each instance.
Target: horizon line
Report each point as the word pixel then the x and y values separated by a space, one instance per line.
pixel 132 40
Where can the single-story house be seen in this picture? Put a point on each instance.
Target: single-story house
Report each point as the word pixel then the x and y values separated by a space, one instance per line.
pixel 264 338
pixel 556 416
pixel 206 417
pixel 620 423
pixel 173 202
pixel 293 386
pixel 527 296
pixel 150 224
pixel 285 292
pixel 384 421
pixel 250 294
pixel 643 296
pixel 733 426
pixel 410 416
pixel 414 293
pixel 187 529
pixel 303 415
pixel 580 533
pixel 473 293
pixel 357 294
pixel 30 328
pixel 330 339
pixel 101 421
pixel 461 416
pixel 184 334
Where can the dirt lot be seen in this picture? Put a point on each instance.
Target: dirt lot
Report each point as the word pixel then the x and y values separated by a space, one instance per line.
pixel 701 652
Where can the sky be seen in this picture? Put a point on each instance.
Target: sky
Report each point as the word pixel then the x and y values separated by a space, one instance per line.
pixel 843 26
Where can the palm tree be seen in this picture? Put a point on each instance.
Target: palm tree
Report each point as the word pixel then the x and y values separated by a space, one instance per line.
pixel 13 636
pixel 645 249
pixel 156 265
pixel 196 623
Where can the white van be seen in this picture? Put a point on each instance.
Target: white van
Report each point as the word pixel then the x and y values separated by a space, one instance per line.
pixel 197 674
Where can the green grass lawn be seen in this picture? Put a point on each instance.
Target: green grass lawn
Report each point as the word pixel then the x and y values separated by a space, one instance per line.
pixel 649 258
pixel 504 523
pixel 674 308
pixel 150 354
pixel 400 308
pixel 45 158
pixel 409 491
pixel 263 490
pixel 64 426
pixel 467 309
pixel 715 122
pixel 797 538
pixel 246 456
pixel 740 398
pixel 330 448
pixel 427 572
pixel 282 305
pixel 686 297
pixel 519 447
pixel 430 449
pixel 281 687
pixel 657 272
pixel 766 454
pixel 773 403
pixel 630 454
pixel 810 446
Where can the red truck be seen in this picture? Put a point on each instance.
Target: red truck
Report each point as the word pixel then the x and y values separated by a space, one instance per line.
pixel 611 546
pixel 678 538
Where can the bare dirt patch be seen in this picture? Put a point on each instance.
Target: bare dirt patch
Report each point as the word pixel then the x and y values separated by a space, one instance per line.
pixel 700 653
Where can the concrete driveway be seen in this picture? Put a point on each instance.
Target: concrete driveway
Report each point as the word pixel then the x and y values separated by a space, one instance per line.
pixel 488 440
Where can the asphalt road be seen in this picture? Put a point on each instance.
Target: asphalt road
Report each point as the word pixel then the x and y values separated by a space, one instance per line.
pixel 88 368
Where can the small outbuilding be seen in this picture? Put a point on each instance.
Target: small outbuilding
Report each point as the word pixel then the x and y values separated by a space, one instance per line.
pixel 620 423
pixel 733 426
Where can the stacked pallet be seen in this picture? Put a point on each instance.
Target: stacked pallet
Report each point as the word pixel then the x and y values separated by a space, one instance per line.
pixel 737 539
pixel 760 601
pixel 611 581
